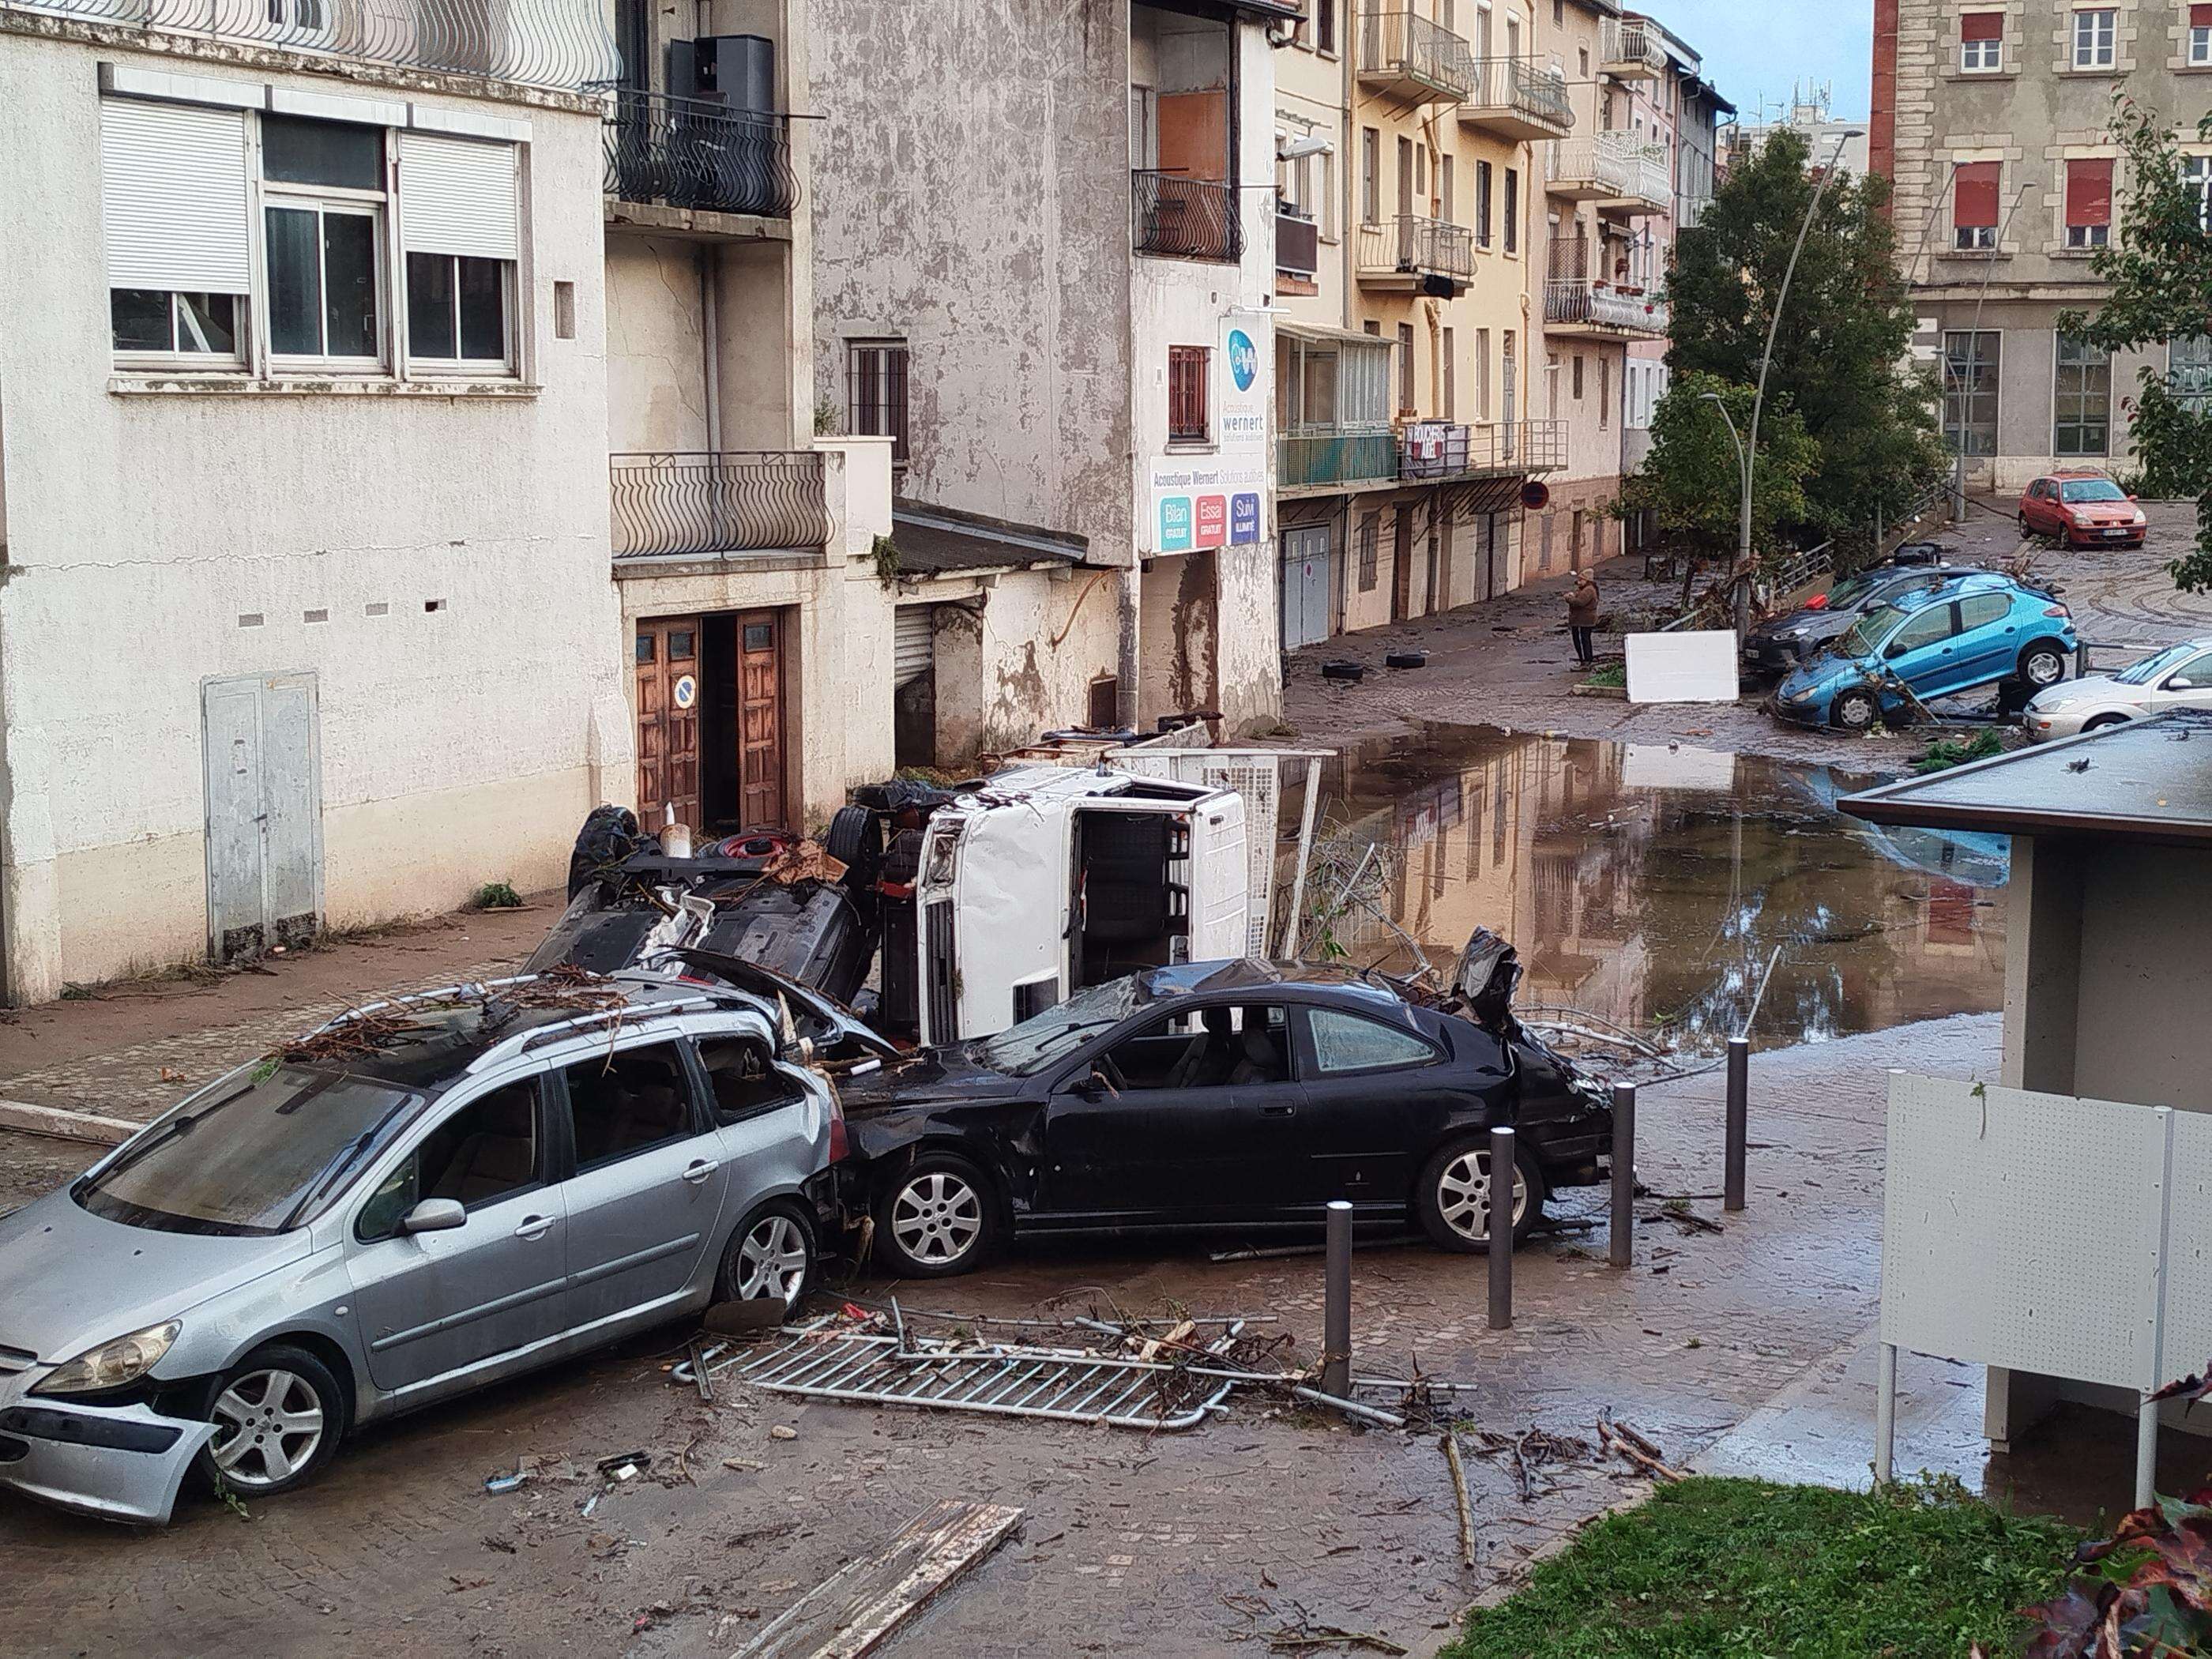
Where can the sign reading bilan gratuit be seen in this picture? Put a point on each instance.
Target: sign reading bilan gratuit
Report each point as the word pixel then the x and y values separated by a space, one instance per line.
pixel 1217 498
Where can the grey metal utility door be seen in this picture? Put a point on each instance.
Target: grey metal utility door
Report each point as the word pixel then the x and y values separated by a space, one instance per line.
pixel 1305 587
pixel 264 812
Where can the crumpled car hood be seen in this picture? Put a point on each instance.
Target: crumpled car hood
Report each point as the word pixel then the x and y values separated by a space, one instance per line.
pixel 73 1280
pixel 949 1074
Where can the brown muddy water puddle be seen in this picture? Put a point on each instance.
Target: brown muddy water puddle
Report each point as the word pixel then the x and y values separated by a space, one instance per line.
pixel 1651 885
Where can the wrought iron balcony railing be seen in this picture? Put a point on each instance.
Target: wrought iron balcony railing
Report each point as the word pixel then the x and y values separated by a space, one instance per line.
pixel 1576 302
pixel 1332 457
pixel 1186 218
pixel 565 45
pixel 1630 48
pixel 1410 246
pixel 1402 47
pixel 1615 167
pixel 687 154
pixel 1514 93
pixel 717 502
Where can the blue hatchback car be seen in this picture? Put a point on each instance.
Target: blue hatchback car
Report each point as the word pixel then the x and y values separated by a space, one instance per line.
pixel 1976 629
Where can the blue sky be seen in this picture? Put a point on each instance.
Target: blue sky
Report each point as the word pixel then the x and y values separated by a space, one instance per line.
pixel 1755 47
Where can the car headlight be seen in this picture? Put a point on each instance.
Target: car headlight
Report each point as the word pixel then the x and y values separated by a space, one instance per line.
pixel 113 1364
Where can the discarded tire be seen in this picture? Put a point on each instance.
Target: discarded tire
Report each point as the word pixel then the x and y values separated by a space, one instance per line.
pixel 1343 671
pixel 855 840
pixel 1407 659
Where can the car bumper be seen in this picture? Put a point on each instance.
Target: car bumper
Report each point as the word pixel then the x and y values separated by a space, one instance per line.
pixel 1813 712
pixel 112 1463
pixel 2048 728
pixel 1770 657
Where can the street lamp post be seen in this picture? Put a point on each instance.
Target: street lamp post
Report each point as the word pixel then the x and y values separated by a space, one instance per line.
pixel 1766 361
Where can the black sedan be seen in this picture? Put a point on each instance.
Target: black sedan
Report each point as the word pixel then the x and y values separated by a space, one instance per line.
pixel 1212 1095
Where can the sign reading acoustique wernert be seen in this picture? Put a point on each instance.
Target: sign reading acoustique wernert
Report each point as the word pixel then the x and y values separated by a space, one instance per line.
pixel 1217 495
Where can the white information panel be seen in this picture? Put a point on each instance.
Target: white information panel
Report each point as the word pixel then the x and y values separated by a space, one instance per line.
pixel 1687 667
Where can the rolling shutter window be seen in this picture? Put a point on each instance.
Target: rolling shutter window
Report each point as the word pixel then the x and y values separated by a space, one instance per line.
pixel 1982 26
pixel 914 644
pixel 2200 17
pixel 457 196
pixel 2090 191
pixel 173 196
pixel 1976 201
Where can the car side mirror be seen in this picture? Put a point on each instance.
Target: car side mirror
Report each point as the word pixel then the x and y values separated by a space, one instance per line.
pixel 1896 648
pixel 434 1215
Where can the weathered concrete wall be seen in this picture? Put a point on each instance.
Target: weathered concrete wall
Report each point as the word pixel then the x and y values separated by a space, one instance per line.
pixel 656 361
pixel 1011 644
pixel 457 745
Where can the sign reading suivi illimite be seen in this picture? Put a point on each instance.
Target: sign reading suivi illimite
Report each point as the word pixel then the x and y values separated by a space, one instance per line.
pixel 1217 495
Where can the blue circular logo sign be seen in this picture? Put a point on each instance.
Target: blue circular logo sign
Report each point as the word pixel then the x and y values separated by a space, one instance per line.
pixel 1243 359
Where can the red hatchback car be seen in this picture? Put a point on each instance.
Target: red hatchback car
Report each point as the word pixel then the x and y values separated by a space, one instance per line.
pixel 2082 509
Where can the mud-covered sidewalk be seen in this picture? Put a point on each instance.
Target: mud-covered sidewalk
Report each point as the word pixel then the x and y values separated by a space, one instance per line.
pixel 1509 662
pixel 1261 1521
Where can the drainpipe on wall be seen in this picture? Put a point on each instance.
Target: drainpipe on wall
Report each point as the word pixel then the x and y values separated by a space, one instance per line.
pixel 710 342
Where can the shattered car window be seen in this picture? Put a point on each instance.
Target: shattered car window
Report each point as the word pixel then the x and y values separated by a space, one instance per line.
pixel 1024 1049
pixel 252 1155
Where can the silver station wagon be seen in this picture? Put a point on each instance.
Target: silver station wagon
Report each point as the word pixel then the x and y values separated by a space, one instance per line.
pixel 423 1197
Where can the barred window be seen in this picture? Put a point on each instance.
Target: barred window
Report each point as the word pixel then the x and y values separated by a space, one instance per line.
pixel 1187 411
pixel 1371 533
pixel 877 404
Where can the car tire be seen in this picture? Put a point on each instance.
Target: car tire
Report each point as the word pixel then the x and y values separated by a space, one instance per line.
pixel 758 1262
pixel 265 1444
pixel 2025 530
pixel 1451 1195
pixel 855 840
pixel 937 1216
pixel 2043 664
pixel 1855 711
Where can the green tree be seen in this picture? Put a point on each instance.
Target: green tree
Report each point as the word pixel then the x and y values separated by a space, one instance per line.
pixel 1693 478
pixel 1840 358
pixel 2159 268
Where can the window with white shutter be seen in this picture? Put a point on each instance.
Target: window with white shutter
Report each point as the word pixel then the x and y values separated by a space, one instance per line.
pixel 173 213
pixel 460 224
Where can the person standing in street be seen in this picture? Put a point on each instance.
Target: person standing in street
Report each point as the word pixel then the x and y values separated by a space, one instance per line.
pixel 1582 617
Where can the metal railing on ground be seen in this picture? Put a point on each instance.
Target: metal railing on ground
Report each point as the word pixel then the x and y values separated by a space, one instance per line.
pixel 717 502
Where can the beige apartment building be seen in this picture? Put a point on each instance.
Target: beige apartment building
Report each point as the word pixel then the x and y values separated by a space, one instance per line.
pixel 1991 117
pixel 1478 204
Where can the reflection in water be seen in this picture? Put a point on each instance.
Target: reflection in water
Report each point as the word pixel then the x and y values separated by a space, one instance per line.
pixel 1650 885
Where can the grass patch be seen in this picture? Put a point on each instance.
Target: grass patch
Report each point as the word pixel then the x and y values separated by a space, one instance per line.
pixel 1716 1569
pixel 495 896
pixel 1612 676
pixel 1945 753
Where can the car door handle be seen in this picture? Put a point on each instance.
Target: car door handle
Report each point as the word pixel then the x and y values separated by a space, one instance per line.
pixel 534 1227
pixel 698 1171
pixel 1279 1111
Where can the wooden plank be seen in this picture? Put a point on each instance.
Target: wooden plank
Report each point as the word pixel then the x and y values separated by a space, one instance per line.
pixel 854 1610
pixel 66 1125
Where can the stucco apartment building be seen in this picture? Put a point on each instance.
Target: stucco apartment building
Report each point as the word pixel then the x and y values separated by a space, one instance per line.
pixel 1480 198
pixel 1042 249
pixel 1991 117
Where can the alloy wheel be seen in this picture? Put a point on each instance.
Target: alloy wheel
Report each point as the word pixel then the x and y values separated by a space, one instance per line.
pixel 773 1261
pixel 1463 1195
pixel 937 1217
pixel 268 1426
pixel 2045 668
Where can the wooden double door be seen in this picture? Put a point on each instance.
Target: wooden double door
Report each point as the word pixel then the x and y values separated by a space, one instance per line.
pixel 711 722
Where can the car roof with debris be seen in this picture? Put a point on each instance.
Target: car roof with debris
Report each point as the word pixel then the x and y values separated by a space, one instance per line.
pixel 1251 974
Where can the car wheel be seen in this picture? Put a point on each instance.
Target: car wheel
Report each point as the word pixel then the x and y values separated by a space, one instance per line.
pixel 937 1216
pixel 1453 1197
pixel 1855 711
pixel 855 840
pixel 2026 529
pixel 279 1414
pixel 2104 721
pixel 771 1255
pixel 2043 664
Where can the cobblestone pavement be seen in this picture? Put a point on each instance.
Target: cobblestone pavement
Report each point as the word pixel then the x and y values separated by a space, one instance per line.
pixel 1508 662
pixel 1182 1544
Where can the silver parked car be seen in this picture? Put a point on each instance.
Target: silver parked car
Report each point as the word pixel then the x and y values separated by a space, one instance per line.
pixel 2179 677
pixel 425 1196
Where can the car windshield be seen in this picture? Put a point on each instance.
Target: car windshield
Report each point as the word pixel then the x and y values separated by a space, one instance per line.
pixel 259 1152
pixel 1863 638
pixel 2143 672
pixel 1849 590
pixel 2092 489
pixel 1029 1048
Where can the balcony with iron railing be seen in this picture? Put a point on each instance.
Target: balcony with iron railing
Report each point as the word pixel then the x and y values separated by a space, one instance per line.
pixel 1330 457
pixel 1180 218
pixel 1584 307
pixel 1404 55
pixel 673 504
pixel 562 45
pixel 1617 170
pixel 1437 451
pixel 1629 49
pixel 682 152
pixel 1511 98
pixel 1409 251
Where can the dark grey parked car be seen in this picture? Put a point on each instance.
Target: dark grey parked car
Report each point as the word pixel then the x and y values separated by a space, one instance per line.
pixel 425 1196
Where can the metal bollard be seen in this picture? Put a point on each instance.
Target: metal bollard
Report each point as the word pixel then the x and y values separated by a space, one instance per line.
pixel 1336 1320
pixel 1623 1222
pixel 1738 1124
pixel 1499 1229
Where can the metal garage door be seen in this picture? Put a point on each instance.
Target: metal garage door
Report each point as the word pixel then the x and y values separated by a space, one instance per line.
pixel 914 684
pixel 1305 587
pixel 264 830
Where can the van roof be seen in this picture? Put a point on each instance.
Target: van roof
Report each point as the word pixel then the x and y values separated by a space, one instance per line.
pixel 1033 783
